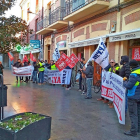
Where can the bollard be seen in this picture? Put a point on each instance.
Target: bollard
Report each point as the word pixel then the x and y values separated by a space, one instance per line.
pixel 138 107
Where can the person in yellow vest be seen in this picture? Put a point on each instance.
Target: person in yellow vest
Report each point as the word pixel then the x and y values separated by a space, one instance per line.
pixel 53 67
pixel 41 69
pixel 115 69
pixel 133 94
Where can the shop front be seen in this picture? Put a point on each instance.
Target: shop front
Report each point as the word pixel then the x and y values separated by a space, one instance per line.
pixel 129 43
pixel 84 49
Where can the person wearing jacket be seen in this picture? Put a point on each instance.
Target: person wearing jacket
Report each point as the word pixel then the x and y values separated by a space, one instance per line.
pixel 125 72
pixel 18 64
pixel 26 63
pixel 133 86
pixel 114 67
pixel 35 72
pixel 1 68
pixel 89 77
pixel 41 69
pixel 53 67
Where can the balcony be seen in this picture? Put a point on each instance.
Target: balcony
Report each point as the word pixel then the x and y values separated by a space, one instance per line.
pixel 81 8
pixel 42 26
pixel 56 18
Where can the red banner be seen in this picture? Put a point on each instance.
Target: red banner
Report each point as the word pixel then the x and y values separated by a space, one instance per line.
pixel 32 58
pixel 136 54
pixel 10 57
pixel 25 59
pixel 62 62
pixel 73 60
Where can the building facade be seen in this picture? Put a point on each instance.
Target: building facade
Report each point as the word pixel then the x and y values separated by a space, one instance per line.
pixel 75 26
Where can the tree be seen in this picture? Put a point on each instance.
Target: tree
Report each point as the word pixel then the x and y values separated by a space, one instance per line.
pixel 13 30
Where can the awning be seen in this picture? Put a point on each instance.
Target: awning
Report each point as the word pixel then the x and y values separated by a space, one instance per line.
pixel 125 35
pixel 87 42
pixel 28 52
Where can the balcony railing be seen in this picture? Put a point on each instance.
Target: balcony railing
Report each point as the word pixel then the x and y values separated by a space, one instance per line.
pixel 43 23
pixel 57 15
pixel 74 5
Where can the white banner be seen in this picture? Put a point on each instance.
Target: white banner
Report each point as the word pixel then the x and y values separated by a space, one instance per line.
pixel 56 54
pixel 112 89
pixel 22 71
pixel 57 77
pixel 100 55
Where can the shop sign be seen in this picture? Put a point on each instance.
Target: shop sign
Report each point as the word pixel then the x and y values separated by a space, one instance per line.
pixel 35 44
pixel 61 44
pixel 83 43
pixel 126 36
pixel 136 54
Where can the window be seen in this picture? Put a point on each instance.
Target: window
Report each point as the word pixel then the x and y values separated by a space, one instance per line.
pixel 77 4
pixel 37 6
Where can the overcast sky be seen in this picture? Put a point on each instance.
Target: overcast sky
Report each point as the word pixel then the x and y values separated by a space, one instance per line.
pixel 15 10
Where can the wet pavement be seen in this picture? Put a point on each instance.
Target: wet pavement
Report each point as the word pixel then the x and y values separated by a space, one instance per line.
pixel 73 117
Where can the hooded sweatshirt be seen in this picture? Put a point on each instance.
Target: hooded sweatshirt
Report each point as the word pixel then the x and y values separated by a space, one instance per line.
pixel 133 84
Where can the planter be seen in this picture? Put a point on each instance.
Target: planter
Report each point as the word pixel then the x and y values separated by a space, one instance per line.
pixel 39 130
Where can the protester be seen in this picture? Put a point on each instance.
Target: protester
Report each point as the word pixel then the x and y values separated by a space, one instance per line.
pixel 46 63
pixel 35 72
pixel 115 69
pixel 53 67
pixel 125 72
pixel 18 64
pixel 41 70
pixel 84 86
pixel 89 77
pixel 133 86
pixel 25 65
pixel 68 87
pixel 80 79
pixel 29 64
pixel 1 68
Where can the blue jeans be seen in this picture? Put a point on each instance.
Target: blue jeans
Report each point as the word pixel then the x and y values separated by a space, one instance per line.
pixel 80 82
pixel 34 76
pixel 89 84
pixel 41 77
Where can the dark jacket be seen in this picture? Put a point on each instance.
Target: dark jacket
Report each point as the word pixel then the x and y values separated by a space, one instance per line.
pixel 89 71
pixel 17 64
pixel 117 67
pixel 26 64
pixel 133 84
pixel 1 69
pixel 35 66
pixel 125 70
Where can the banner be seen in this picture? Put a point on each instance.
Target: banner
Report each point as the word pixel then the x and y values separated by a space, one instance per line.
pixel 32 58
pixel 25 59
pixel 22 71
pixel 73 60
pixel 10 57
pixel 112 89
pixel 57 77
pixel 136 54
pixel 100 55
pixel 62 62
pixel 56 54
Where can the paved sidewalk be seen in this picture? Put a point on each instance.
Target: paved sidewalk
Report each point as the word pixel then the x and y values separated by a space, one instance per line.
pixel 73 117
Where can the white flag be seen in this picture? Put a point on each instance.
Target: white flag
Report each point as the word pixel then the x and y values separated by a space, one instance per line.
pixel 56 54
pixel 100 55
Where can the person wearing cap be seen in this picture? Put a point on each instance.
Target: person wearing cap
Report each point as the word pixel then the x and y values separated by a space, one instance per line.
pixel 89 77
pixel 133 94
pixel 114 67
pixel 41 70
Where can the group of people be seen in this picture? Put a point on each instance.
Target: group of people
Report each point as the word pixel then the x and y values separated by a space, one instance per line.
pixel 38 72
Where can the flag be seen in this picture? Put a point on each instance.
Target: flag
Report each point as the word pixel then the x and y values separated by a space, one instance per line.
pixel 73 60
pixel 56 54
pixel 100 55
pixel 31 56
pixel 25 59
pixel 10 56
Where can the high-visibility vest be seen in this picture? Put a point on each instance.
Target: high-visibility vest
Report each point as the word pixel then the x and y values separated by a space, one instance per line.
pixel 117 68
pixel 41 67
pixel 138 73
pixel 53 67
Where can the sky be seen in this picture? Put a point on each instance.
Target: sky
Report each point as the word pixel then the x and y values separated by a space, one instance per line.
pixel 15 10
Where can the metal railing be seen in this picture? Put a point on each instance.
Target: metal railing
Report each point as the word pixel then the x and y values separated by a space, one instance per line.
pixel 57 15
pixel 74 5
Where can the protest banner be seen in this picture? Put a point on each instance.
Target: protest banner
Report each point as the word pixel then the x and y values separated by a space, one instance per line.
pixel 62 62
pixel 112 89
pixel 57 77
pixel 100 55
pixel 10 56
pixel 22 71
pixel 73 60
pixel 56 54
pixel 25 59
